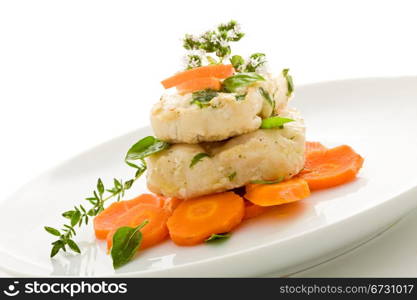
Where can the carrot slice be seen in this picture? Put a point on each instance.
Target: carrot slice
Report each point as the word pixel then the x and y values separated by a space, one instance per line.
pixel 195 220
pixel 172 203
pixel 332 167
pixel 104 222
pixel 199 84
pixel 216 71
pixel 279 193
pixel 313 147
pixel 153 233
pixel 253 210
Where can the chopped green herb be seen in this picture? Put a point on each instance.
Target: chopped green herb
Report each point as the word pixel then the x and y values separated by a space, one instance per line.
pixel 197 158
pixel 218 237
pixel 126 242
pixel 267 181
pixel 267 98
pixel 241 97
pixel 290 84
pixel 275 122
pixel 232 176
pixel 202 98
pixel 240 80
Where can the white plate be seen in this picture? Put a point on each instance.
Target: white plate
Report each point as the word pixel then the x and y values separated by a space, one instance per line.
pixel 378 117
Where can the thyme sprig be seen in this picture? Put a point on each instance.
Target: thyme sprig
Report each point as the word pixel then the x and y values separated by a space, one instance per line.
pixel 80 215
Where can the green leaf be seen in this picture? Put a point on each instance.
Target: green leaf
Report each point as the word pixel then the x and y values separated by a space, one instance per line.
pixel 267 181
pixel 73 245
pixel 52 231
pixel 211 60
pixel 126 242
pixel 57 246
pixel 232 176
pixel 234 82
pixel 217 237
pixel 275 122
pixel 68 214
pixel 75 218
pixel 237 62
pixel 290 83
pixel 146 147
pixel 202 98
pixel 100 187
pixel 197 158
pixel 267 98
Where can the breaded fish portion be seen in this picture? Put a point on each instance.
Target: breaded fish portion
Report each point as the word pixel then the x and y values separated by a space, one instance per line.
pixel 179 119
pixel 264 154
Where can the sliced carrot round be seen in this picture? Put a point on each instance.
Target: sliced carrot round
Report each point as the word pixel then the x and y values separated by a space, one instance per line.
pixel 199 84
pixel 332 167
pixel 105 221
pixel 279 193
pixel 253 210
pixel 152 233
pixel 195 220
pixel 216 71
pixel 172 203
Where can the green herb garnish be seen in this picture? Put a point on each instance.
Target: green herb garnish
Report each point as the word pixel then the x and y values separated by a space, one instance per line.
pixel 80 215
pixel 197 158
pixel 268 181
pixel 241 97
pixel 126 242
pixel 213 41
pixel 275 122
pixel 232 176
pixel 267 98
pixel 202 98
pixel 290 84
pixel 218 237
pixel 238 63
pixel 255 61
pixel 240 80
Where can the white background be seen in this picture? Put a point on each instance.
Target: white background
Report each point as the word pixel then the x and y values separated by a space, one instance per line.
pixel 77 73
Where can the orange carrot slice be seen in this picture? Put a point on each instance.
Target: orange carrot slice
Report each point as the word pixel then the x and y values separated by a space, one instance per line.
pixel 153 233
pixel 172 203
pixel 332 167
pixel 279 193
pixel 253 210
pixel 216 71
pixel 313 147
pixel 104 222
pixel 199 84
pixel 195 220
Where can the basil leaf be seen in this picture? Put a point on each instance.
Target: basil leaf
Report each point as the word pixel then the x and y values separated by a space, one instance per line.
pixel 237 62
pixel 52 231
pixel 275 122
pixel 230 84
pixel 146 147
pixel 126 242
pixel 75 218
pixel 290 83
pixel 57 246
pixel 267 181
pixel 197 158
pixel 217 237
